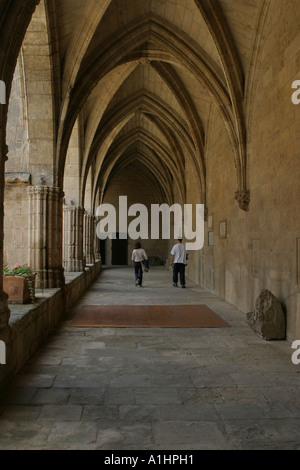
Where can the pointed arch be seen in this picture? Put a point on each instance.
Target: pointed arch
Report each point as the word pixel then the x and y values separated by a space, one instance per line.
pixel 121 48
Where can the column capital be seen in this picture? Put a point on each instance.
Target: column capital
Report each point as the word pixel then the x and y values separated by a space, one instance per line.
pixel 49 190
pixel 243 199
pixel 74 209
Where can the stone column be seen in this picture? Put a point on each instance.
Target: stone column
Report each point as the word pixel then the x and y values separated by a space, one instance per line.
pixel 45 235
pixel 73 239
pixel 4 310
pixel 89 228
pixel 96 240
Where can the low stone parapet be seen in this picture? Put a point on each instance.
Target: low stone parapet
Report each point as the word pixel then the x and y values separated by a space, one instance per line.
pixel 31 324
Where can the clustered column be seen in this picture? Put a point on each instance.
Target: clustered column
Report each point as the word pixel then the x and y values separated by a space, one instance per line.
pixel 96 240
pixel 73 239
pixel 89 238
pixel 4 310
pixel 45 235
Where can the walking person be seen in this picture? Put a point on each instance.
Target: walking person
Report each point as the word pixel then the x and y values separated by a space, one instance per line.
pixel 178 260
pixel 138 256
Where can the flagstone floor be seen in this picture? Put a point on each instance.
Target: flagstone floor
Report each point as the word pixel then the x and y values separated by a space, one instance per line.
pixel 154 389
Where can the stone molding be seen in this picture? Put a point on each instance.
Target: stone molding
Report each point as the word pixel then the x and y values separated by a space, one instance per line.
pixel 15 177
pixel 243 199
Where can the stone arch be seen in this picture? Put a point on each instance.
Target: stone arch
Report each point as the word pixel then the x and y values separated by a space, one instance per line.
pixel 148 170
pixel 42 216
pixel 116 121
pixel 14 16
pixel 164 119
pixel 93 12
pixel 251 83
pixel 164 176
pixel 147 103
pixel 39 81
pixel 98 66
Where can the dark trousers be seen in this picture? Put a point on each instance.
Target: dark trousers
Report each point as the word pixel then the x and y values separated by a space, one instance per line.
pixel 179 268
pixel 138 272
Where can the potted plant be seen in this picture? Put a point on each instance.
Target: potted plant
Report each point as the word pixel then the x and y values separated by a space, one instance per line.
pixel 19 283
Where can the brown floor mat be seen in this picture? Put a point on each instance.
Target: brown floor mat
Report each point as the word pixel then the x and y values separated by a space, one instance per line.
pixel 147 316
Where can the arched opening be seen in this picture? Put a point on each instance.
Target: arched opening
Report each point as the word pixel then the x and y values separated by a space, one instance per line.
pixel 31 164
pixel 161 103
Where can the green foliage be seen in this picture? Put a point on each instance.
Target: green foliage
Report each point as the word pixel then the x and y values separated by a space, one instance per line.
pixel 23 271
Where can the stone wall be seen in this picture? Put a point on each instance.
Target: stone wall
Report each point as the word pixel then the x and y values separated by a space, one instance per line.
pixel 30 325
pixel 261 248
pixel 137 190
pixel 17 124
pixel 16 220
pixel 245 251
pixel 274 160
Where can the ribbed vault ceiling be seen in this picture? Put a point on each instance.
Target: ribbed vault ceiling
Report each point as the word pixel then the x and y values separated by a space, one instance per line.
pixel 143 76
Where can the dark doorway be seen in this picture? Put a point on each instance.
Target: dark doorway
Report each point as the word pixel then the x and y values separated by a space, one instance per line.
pixel 119 254
pixel 103 251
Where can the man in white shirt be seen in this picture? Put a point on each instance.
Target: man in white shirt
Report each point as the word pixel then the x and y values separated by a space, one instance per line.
pixel 138 256
pixel 178 260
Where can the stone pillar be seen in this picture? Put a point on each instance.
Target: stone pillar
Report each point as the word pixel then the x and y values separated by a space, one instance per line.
pixel 4 310
pixel 89 229
pixel 73 239
pixel 96 240
pixel 297 332
pixel 45 235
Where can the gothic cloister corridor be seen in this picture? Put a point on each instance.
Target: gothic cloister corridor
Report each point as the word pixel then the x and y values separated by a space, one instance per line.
pixel 112 111
pixel 151 389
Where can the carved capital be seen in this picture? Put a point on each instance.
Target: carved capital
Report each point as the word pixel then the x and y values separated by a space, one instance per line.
pixel 243 199
pixel 43 191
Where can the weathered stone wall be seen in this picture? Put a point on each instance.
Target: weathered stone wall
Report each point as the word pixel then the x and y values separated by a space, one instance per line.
pixel 17 125
pixel 38 72
pixel 138 190
pixel 223 264
pixel 193 197
pixel 16 220
pixel 31 324
pixel 261 249
pixel 17 176
pixel 274 160
pixel 72 170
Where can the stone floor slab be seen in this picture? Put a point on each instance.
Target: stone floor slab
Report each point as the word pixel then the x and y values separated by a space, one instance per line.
pixel 152 389
pixel 200 434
